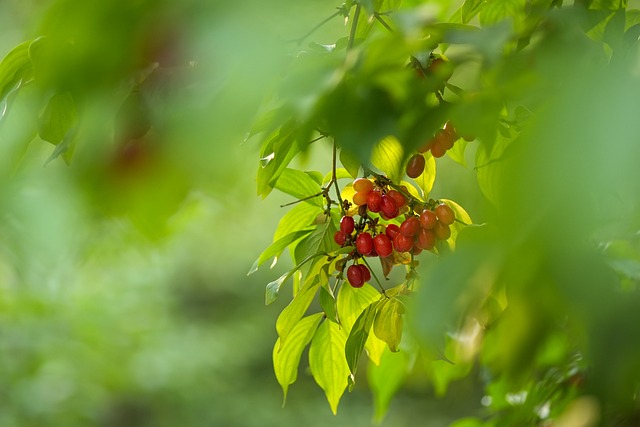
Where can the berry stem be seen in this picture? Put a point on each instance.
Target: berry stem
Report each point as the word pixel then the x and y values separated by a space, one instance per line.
pixel 299 40
pixel 303 199
pixel 384 292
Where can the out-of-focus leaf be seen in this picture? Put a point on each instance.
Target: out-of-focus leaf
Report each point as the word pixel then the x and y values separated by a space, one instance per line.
pixel 386 379
pixel 388 156
pixel 275 155
pixel 14 67
pixel 457 152
pixel 388 323
pixel 327 361
pixel 470 8
pixel 350 163
pixel 293 312
pixel 496 11
pixel 286 357
pixel 300 185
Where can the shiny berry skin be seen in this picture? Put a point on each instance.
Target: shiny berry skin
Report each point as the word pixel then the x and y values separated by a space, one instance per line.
pixel 388 207
pixel 445 214
pixel 446 140
pixel 428 219
pixel 450 131
pixel 402 243
pixel 340 238
pixel 366 274
pixel 397 197
pixel 392 231
pixel 374 201
pixel 443 232
pixel 360 198
pixel 415 166
pixel 382 245
pixel 410 226
pixel 426 239
pixel 363 185
pixel 355 276
pixel 364 243
pixel 347 225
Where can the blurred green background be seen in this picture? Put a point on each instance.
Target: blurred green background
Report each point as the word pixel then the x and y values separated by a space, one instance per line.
pixel 124 299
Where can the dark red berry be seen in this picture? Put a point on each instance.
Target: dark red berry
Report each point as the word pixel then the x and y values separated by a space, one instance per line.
pixel 402 243
pixel 428 219
pixel 426 239
pixel 392 231
pixel 366 274
pixel 364 243
pixel 382 245
pixel 388 207
pixel 347 225
pixel 437 150
pixel 410 226
pixel 374 201
pixel 340 238
pixel 355 276
pixel 445 214
pixel 415 166
pixel 397 197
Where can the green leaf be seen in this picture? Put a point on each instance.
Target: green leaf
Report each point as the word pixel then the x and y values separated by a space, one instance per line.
pixel 321 240
pixel 293 312
pixel 358 337
pixel 386 379
pixel 14 67
pixel 428 177
pixel 286 358
pixel 457 152
pixel 300 185
pixel 273 288
pixel 351 302
pixel 328 304
pixel 388 156
pixel 350 162
pixel 497 10
pixel 327 362
pixel 276 248
pixel 300 217
pixel 276 153
pixel 388 323
pixel 471 8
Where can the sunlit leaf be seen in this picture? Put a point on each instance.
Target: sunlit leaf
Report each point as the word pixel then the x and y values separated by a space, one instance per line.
pixel 286 357
pixel 276 248
pixel 293 312
pixel 457 152
pixel 15 66
pixel 301 216
pixel 470 8
pixel 388 323
pixel 300 185
pixel 358 337
pixel 388 156
pixel 327 361
pixel 328 304
pixel 428 177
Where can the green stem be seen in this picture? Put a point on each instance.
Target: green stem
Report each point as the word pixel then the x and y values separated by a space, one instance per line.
pixel 384 292
pixel 354 26
pixel 314 29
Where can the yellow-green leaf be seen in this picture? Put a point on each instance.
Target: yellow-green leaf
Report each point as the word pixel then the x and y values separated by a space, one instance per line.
pixel 286 358
pixel 388 156
pixel 293 312
pixel 428 177
pixel 327 361
pixel 388 323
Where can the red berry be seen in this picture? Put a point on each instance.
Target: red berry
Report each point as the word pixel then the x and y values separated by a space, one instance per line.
pixel 450 131
pixel 360 198
pixel 426 239
pixel 347 225
pixel 443 232
pixel 397 197
pixel 415 167
pixel 388 207
pixel 363 185
pixel 428 219
pixel 364 243
pixel 416 250
pixel 446 140
pixel 445 214
pixel 437 150
pixel 392 231
pixel 382 245
pixel 355 276
pixel 366 274
pixel 410 226
pixel 403 243
pixel 426 147
pixel 374 201
pixel 340 238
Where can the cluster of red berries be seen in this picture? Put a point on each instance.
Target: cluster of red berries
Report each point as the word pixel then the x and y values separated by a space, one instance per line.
pixel 415 234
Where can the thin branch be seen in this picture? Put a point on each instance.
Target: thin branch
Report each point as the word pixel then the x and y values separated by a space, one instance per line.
pixel 383 22
pixel 382 289
pixel 354 26
pixel 302 200
pixel 314 29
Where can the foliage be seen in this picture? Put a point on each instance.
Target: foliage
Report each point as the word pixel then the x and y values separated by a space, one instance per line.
pixel 535 301
pixel 530 292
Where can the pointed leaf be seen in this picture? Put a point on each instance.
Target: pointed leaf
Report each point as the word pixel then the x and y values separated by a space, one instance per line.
pixel 319 241
pixel 14 67
pixel 470 8
pixel 457 152
pixel 300 217
pixel 58 117
pixel 388 323
pixel 351 302
pixel 358 337
pixel 286 358
pixel 293 312
pixel 388 156
pixel 276 248
pixel 350 162
pixel 328 304
pixel 327 362
pixel 300 185
pixel 276 153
